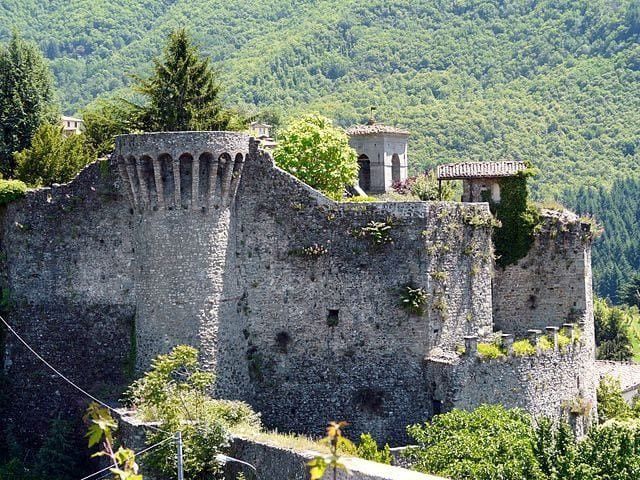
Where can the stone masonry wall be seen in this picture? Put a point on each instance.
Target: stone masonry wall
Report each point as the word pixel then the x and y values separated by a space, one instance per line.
pixel 552 284
pixel 326 337
pixel 557 383
pixel 66 258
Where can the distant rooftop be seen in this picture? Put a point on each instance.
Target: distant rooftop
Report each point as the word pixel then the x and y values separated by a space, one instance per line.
pixel 373 128
pixel 460 171
pixel 66 118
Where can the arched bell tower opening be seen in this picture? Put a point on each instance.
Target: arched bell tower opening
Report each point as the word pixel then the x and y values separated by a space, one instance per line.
pixel 364 173
pixel 382 155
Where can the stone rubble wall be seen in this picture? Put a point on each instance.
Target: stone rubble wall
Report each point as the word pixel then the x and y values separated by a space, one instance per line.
pixel 66 257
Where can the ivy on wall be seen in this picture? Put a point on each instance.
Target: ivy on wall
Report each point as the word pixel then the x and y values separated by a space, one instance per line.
pixel 518 217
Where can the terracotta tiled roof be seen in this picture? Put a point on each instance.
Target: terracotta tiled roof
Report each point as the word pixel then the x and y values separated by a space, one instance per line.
pixel 374 129
pixel 628 373
pixel 457 171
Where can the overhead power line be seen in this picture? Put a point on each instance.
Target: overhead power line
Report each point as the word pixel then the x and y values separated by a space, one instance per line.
pixel 61 375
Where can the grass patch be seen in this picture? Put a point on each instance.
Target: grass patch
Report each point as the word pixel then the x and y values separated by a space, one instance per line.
pixel 361 199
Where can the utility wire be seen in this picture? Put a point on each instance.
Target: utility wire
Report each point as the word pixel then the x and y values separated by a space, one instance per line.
pixel 57 372
pixel 141 452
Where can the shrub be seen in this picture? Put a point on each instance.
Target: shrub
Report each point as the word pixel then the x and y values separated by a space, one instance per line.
pixel 523 348
pixel 11 190
pixel 424 186
pixel 414 299
pixel 52 157
pixel 368 449
pixel 544 343
pixel 488 443
pixel 489 351
pixel 611 404
pixel 563 340
pixel 174 392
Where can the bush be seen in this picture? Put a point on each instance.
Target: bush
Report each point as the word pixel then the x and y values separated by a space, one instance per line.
pixel 174 392
pixel 489 351
pixel 11 190
pixel 368 449
pixel 52 157
pixel 523 348
pixel 489 443
pixel 424 186
pixel 611 404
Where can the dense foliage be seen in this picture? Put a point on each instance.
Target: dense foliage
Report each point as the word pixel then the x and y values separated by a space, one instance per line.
pixel 493 443
pixel 26 98
pixel 52 157
pixel 174 392
pixel 614 327
pixel 518 218
pixel 318 153
pixel 11 190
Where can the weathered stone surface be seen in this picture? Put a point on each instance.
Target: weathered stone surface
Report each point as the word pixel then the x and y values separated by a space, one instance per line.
pixel 294 301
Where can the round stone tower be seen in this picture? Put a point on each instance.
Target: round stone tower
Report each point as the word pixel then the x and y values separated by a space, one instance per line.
pixel 182 187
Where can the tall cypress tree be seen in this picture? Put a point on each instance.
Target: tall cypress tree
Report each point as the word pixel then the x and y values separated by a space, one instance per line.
pixel 184 91
pixel 26 98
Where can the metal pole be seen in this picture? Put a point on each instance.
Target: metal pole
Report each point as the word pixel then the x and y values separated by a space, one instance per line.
pixel 179 441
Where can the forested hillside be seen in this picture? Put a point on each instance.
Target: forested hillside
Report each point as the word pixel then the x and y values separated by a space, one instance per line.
pixel 552 81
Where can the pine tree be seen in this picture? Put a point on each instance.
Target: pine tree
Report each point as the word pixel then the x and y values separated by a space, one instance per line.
pixel 26 98
pixel 184 91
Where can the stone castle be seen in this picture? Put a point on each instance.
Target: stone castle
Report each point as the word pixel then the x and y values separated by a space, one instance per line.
pixel 294 301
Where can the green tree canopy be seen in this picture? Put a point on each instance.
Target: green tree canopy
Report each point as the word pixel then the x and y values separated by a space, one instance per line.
pixel 488 443
pixel 318 153
pixel 52 157
pixel 26 98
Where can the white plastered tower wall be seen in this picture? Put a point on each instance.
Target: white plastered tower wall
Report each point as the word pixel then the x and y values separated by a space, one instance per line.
pixel 383 150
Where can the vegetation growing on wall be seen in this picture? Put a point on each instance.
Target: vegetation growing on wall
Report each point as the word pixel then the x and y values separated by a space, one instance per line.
pixel 413 299
pixel 517 217
pixel 11 190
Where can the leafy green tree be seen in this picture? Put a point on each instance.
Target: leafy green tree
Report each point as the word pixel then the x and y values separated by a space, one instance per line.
pixel 184 93
pixel 316 152
pixel 632 16
pixel 52 157
pixel 610 451
pixel 612 331
pixel 105 119
pixel 489 443
pixel 174 392
pixel 611 404
pixel 26 98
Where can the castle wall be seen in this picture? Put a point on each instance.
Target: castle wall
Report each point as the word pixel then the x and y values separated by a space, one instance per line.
pixel 66 258
pixel 326 336
pixel 552 284
pixel 558 383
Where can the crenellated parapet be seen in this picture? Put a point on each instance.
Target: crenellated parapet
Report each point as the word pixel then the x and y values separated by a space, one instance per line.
pixel 181 170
